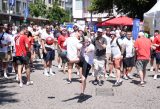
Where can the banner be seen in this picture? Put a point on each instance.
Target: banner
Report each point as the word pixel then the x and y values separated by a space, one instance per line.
pixel 135 31
pixel 26 13
pixel 11 2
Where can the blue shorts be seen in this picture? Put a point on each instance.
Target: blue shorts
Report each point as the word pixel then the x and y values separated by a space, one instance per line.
pixel 49 56
pixel 157 58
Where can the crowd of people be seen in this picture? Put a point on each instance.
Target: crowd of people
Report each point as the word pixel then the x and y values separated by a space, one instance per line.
pixel 109 52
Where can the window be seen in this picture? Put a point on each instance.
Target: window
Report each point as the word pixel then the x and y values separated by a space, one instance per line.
pixel 49 1
pixel 79 4
pixel 4 5
pixel 18 6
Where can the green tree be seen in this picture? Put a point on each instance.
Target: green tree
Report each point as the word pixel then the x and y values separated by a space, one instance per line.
pixel 38 8
pixel 56 13
pixel 133 8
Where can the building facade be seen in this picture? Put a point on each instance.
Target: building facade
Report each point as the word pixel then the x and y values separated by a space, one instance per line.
pixel 81 13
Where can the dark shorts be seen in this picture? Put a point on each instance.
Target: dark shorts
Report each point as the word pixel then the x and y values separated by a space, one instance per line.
pixel 63 56
pixel 49 56
pixel 153 54
pixel 85 67
pixel 129 62
pixel 141 65
pixel 36 46
pixel 20 60
pixel 14 59
pixel 157 58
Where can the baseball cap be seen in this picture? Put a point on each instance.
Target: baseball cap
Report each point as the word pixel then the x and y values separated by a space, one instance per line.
pixel 100 30
pixel 113 32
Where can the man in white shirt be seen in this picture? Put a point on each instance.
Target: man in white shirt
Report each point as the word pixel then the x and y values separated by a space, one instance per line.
pixel 5 56
pixel 48 50
pixel 73 46
pixel 128 56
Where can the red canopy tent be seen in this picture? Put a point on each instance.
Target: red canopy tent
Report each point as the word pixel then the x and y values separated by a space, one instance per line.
pixel 123 20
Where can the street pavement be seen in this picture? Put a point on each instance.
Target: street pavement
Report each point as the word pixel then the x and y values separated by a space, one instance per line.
pixel 54 93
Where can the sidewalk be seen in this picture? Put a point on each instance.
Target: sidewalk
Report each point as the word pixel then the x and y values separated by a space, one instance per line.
pixel 54 93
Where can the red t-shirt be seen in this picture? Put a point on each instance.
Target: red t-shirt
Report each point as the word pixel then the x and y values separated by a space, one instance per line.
pixel 143 47
pixel 20 44
pixel 61 40
pixel 157 41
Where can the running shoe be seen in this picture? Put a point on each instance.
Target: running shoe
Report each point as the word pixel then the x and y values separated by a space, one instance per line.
pixel 116 84
pixel 20 85
pixel 5 75
pixel 112 75
pixel 95 82
pixel 125 77
pixel 130 76
pixel 69 81
pixel 155 77
pixel 29 83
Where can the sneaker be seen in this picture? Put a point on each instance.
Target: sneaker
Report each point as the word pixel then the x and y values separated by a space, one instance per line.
pixel 95 82
pixel 20 85
pixel 125 77
pixel 100 83
pixel 51 73
pixel 5 75
pixel 106 76
pixel 29 83
pixel 155 77
pixel 151 69
pixel 130 76
pixel 112 75
pixel 69 81
pixel 142 84
pixel 46 74
pixel 93 74
pixel 17 79
pixel 59 66
pixel 116 84
pixel 78 73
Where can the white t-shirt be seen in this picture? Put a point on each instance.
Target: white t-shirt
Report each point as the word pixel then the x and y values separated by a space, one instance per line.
pixel 13 44
pixel 129 45
pixel 44 36
pixel 6 38
pixel 73 34
pixel 118 33
pixel 108 47
pixel 35 33
pixel 115 50
pixel 72 44
pixel 89 57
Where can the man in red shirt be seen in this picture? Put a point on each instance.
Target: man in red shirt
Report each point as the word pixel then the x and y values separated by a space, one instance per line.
pixel 22 56
pixel 156 43
pixel 142 46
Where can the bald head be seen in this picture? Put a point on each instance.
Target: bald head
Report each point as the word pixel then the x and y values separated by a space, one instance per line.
pixel 140 34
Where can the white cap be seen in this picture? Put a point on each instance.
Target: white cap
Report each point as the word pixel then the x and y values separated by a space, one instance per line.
pixel 112 32
pixel 100 30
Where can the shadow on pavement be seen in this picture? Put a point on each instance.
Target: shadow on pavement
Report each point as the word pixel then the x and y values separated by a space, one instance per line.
pixel 73 79
pixel 7 97
pixel 6 81
pixel 135 82
pixel 111 81
pixel 158 76
pixel 38 66
pixel 81 99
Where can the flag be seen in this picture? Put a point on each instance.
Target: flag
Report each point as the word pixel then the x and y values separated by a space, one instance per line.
pixel 26 13
pixel 11 2
pixel 135 31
